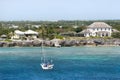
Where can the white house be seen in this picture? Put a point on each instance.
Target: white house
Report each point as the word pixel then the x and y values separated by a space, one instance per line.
pixel 27 34
pixel 75 26
pixel 17 34
pixel 13 26
pixel 36 26
pixel 31 33
pixel 100 29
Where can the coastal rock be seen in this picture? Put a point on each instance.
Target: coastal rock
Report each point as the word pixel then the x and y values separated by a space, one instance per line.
pixel 1 44
pixel 18 43
pixel 27 44
pixel 36 43
pixel 68 43
pixel 11 44
pixel 82 42
pixel 47 43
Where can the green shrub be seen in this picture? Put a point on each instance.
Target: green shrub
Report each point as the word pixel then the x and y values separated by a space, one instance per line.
pixel 116 35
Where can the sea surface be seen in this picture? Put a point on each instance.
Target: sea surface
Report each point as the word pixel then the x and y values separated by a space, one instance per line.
pixel 70 63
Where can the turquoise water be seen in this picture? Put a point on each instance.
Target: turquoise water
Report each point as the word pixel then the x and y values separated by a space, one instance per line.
pixel 71 63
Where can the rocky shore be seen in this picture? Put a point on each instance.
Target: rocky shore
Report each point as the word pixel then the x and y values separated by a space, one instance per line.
pixel 68 43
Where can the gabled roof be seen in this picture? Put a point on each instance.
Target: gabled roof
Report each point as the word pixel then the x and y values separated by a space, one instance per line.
pixel 26 32
pixel 3 36
pixel 115 30
pixel 86 31
pixel 99 25
pixel 19 32
pixel 30 32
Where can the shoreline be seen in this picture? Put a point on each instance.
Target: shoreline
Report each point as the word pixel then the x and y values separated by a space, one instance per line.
pixel 63 43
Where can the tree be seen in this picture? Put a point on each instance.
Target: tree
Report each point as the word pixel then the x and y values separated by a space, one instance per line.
pixel 116 35
pixel 79 29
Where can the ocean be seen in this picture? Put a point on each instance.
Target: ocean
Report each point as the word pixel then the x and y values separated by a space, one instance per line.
pixel 70 63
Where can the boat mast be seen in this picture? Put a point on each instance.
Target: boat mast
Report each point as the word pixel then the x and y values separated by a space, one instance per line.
pixel 42 51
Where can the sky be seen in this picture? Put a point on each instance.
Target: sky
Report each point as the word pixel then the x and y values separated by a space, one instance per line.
pixel 50 10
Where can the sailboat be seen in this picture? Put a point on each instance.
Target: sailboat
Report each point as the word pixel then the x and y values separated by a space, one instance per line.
pixel 47 66
pixel 45 63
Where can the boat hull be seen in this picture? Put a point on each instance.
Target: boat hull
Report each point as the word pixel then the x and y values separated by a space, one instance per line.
pixel 46 66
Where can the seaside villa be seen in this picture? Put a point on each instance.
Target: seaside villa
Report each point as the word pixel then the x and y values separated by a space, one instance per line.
pixel 29 34
pixel 99 29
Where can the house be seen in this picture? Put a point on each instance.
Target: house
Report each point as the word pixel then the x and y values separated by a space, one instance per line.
pixel 115 30
pixel 3 37
pixel 29 34
pixel 99 29
pixel 36 26
pixel 13 26
pixel 18 34
pixel 60 26
pixel 75 26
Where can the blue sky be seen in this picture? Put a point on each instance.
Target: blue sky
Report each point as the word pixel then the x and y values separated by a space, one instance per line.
pixel 59 9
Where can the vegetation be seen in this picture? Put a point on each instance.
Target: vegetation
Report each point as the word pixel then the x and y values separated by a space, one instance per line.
pixel 116 35
pixel 52 29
